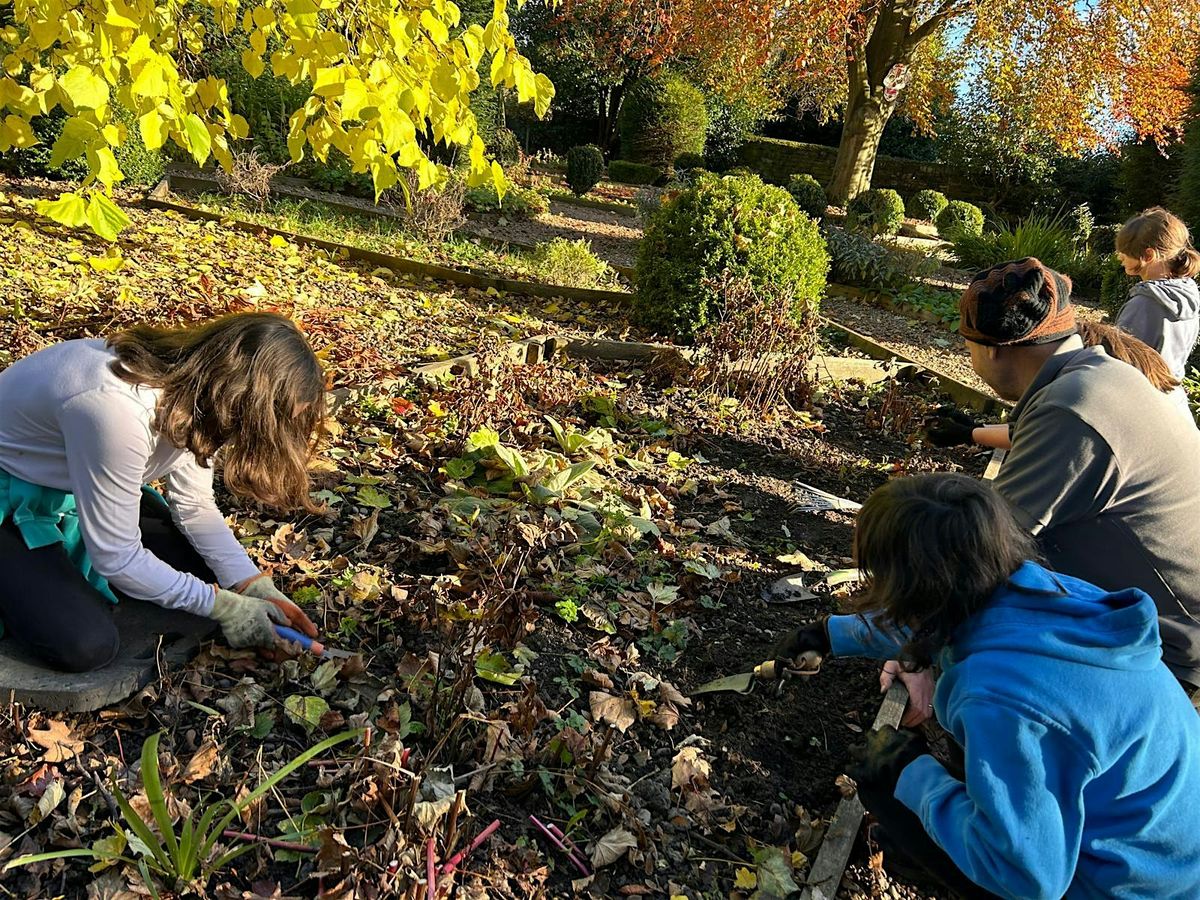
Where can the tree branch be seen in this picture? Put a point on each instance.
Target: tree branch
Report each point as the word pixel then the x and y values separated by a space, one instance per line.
pixel 946 11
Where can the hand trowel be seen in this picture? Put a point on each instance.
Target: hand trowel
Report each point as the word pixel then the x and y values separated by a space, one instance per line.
pixel 771 671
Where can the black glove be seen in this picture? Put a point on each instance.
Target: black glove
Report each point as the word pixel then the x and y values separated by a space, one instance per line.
pixel 880 762
pixel 810 638
pixel 949 428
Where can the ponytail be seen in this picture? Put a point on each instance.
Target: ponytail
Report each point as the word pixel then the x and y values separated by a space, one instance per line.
pixel 1186 263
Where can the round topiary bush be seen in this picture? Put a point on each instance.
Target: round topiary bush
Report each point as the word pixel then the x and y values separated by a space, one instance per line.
pixel 506 147
pixel 661 120
pixel 878 211
pixel 585 168
pixel 720 228
pixel 809 195
pixel 960 216
pixel 926 205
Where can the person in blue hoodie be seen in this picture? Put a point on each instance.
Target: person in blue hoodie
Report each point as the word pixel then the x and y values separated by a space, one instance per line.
pixel 1080 751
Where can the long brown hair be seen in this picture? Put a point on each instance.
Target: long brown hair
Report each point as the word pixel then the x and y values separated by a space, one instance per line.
pixel 1163 232
pixel 246 384
pixel 1129 349
pixel 933 549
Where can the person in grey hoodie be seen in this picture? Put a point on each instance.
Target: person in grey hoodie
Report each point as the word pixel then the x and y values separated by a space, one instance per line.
pixel 1163 309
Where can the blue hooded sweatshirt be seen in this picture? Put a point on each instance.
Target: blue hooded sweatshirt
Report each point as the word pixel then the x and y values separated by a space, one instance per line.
pixel 1082 751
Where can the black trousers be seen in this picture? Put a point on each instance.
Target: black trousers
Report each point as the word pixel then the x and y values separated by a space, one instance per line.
pixel 48 607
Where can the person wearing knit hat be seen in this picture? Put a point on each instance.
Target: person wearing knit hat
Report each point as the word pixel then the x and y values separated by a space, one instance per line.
pixel 1103 470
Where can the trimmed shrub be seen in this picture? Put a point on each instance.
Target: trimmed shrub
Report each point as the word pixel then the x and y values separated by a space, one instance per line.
pixel 1114 285
pixel 585 168
pixel 858 261
pixel 518 203
pixel 627 172
pixel 725 228
pixel 662 119
pixel 1103 239
pixel 879 211
pixel 809 195
pixel 959 216
pixel 505 147
pixel 926 205
pixel 685 162
pixel 569 263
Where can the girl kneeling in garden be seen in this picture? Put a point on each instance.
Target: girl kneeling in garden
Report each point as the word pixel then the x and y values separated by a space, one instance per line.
pixel 1080 751
pixel 86 424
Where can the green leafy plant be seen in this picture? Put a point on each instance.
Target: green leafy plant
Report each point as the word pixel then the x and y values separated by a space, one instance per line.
pixel 959 216
pixel 926 205
pixel 1103 240
pixel 626 172
pixel 1048 238
pixel 943 304
pixel 182 858
pixel 570 263
pixel 518 202
pixel 731 226
pixel 1080 221
pixel 809 195
pixel 879 211
pixel 661 119
pixel 585 168
pixel 858 261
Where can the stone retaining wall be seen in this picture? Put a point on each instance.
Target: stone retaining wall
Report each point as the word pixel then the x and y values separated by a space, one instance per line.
pixel 778 160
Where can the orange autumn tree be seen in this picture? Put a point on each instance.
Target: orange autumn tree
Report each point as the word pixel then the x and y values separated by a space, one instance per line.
pixel 1076 71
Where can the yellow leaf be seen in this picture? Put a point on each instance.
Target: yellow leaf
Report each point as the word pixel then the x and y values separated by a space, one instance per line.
pixel 84 88
pixel 103 165
pixel 436 410
pixel 105 217
pixel 77 135
pixel 252 63
pixel 19 134
pixel 745 880
pixel 154 130
pixel 109 263
pixel 258 41
pixel 263 17
pixel 68 209
pixel 277 241
pixel 198 138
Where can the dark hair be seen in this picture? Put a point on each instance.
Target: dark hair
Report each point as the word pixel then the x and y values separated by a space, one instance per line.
pixel 933 549
pixel 1132 350
pixel 247 385
pixel 1163 232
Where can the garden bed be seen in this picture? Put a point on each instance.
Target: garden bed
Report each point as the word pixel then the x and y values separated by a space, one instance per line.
pixel 395 574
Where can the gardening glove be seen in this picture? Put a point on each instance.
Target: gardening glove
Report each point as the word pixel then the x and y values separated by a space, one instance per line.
pixel 949 428
pixel 808 639
pixel 881 760
pixel 262 587
pixel 247 621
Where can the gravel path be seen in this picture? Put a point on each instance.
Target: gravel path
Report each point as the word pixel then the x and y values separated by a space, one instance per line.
pixel 614 237
pixel 922 342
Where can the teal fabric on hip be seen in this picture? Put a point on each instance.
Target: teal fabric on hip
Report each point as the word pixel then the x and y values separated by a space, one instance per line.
pixel 45 517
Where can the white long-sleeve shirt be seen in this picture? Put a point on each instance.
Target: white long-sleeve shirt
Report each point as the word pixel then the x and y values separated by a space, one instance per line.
pixel 67 422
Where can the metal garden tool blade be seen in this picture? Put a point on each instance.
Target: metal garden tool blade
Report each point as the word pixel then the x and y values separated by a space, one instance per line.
pixel 768 671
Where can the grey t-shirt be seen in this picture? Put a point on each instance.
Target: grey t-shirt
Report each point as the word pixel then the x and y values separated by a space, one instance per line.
pixel 1106 473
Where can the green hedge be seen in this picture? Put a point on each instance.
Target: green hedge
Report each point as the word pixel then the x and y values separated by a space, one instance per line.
pixel 662 119
pixel 725 227
pixel 1114 285
pixel 627 172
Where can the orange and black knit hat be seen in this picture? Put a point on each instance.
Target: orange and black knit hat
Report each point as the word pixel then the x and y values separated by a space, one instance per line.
pixel 1021 302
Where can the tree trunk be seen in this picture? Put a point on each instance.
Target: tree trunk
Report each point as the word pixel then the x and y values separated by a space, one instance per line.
pixel 863 127
pixel 892 37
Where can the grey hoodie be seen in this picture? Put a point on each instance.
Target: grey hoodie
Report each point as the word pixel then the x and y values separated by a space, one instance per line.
pixel 1166 315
